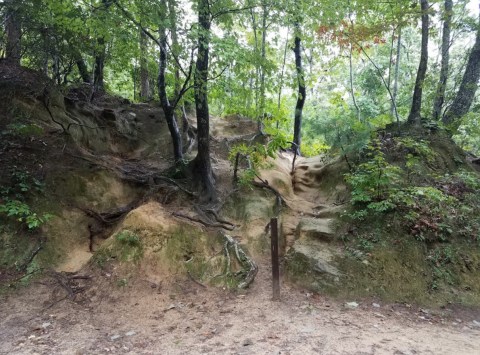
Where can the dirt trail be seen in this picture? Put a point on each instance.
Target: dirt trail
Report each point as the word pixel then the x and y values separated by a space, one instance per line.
pixel 185 318
pixel 167 315
pixel 182 317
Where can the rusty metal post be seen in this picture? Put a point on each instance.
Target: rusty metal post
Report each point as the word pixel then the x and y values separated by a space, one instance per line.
pixel 275 262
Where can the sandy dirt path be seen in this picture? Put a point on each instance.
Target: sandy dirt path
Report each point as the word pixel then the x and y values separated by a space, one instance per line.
pixel 185 318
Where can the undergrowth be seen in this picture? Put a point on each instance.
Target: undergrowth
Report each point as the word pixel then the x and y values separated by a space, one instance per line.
pixel 16 196
pixel 399 195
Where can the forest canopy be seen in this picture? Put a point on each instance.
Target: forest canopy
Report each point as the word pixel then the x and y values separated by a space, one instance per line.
pixel 311 69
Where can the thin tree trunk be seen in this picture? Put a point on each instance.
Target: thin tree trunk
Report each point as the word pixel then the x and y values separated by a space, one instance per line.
pixel 392 46
pixel 302 92
pixel 98 80
pixel 282 74
pixel 56 76
pixel 14 33
pixel 82 69
pixel 144 80
pixel 257 66
pixel 168 109
pixel 442 83
pixel 466 93
pixel 175 43
pixel 397 71
pixel 99 85
pixel 415 112
pixel 202 164
pixel 262 64
pixel 351 83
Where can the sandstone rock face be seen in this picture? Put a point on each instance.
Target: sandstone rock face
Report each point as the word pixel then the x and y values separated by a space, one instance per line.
pixel 319 254
pixel 316 228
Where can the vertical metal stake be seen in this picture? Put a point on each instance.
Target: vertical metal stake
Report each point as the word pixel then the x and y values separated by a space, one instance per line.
pixel 275 263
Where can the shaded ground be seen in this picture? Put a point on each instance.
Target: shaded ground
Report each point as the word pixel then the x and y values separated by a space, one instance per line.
pixel 186 318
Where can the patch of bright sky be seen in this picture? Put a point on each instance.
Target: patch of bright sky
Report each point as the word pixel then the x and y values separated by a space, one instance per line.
pixel 472 7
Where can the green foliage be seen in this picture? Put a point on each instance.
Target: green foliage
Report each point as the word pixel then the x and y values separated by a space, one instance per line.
pixel 434 211
pixel 256 155
pixel 14 199
pixel 23 130
pixel 417 147
pixel 22 213
pixel 126 246
pixel 128 238
pixel 375 182
pixel 468 134
pixel 314 147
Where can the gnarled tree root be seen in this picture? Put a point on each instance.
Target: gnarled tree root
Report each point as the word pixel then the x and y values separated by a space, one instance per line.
pixel 250 268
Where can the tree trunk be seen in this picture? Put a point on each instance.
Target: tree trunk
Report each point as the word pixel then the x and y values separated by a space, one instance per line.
pixel 466 93
pixel 201 163
pixel 280 88
pixel 262 64
pixel 359 117
pixel 144 82
pixel 168 109
pixel 257 68
pixel 297 131
pixel 82 69
pixel 393 105
pixel 13 29
pixel 442 83
pixel 98 82
pixel 415 112
pixel 172 14
pixel 98 79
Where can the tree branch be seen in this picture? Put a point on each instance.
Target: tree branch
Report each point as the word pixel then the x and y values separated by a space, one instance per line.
pixel 144 30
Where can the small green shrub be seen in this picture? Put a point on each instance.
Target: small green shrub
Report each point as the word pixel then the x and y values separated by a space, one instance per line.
pixel 23 130
pixel 129 238
pixel 439 209
pixel 14 199
pixel 256 154
pixel 128 246
pixel 23 214
pixel 374 183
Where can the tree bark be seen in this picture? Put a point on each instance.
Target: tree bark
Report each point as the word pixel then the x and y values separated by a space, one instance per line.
pixel 257 68
pixel 98 81
pixel 172 14
pixel 359 117
pixel 202 164
pixel 280 88
pixel 144 82
pixel 442 83
pixel 82 69
pixel 98 74
pixel 13 29
pixel 466 93
pixel 415 112
pixel 168 109
pixel 262 64
pixel 393 105
pixel 302 92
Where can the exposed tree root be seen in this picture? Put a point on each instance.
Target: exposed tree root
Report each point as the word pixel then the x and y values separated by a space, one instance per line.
pixel 229 227
pixel 66 283
pixel 218 218
pixel 32 256
pixel 131 172
pixel 279 201
pixel 250 268
pixel 195 281
pixel 110 217
pixel 173 182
